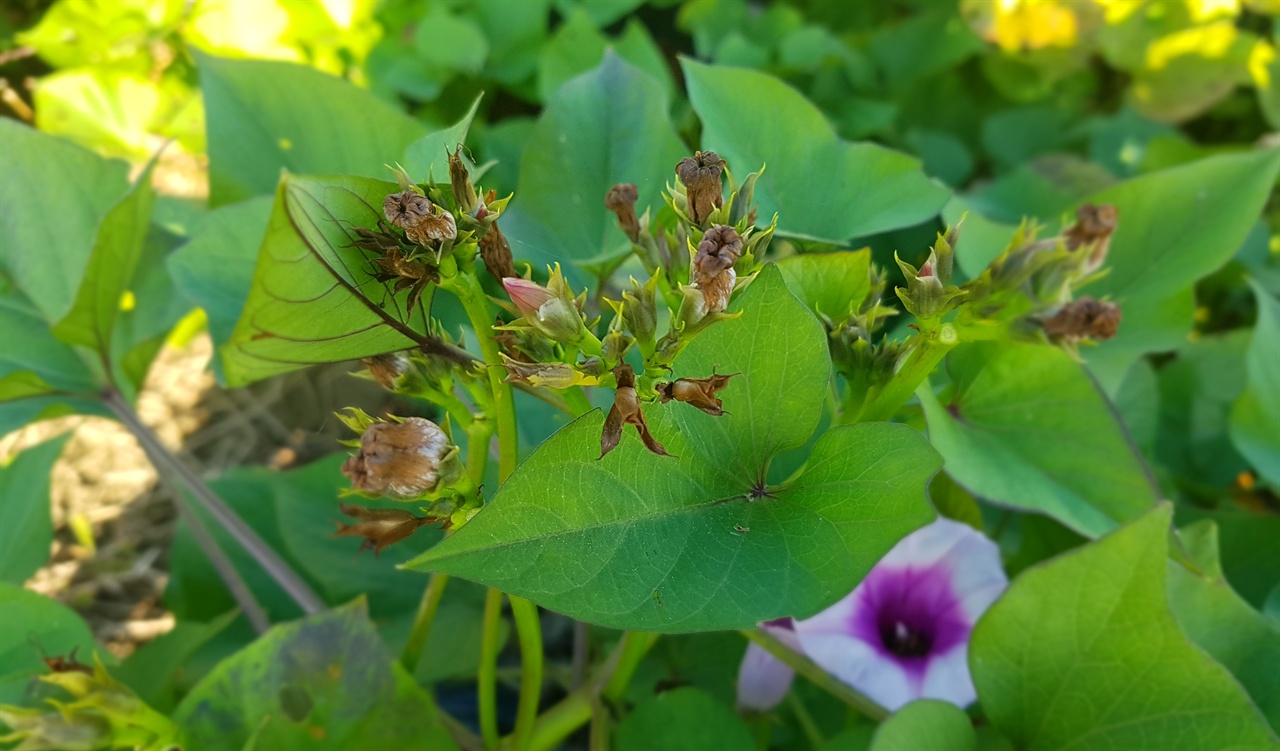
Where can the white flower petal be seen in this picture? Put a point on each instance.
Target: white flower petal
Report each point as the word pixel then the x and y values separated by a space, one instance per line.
pixel 861 666
pixel 947 678
pixel 763 680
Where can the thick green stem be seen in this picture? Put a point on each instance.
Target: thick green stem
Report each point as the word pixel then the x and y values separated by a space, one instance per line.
pixel 635 645
pixel 529 633
pixel 819 677
pixel 468 291
pixel 478 435
pixel 487 677
pixel 422 621
pixel 930 347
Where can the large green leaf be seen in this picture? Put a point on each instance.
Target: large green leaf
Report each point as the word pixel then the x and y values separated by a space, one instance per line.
pixel 578 46
pixel 34 627
pixel 116 250
pixel 428 157
pixel 1024 426
pixel 926 724
pixel 832 284
pixel 686 719
pixel 602 128
pixel 314 299
pixel 1083 652
pixel 1223 624
pixel 1255 418
pixel 26 526
pixel 214 269
pixel 324 682
pixel 52 198
pixel 639 541
pixel 265 116
pixel 821 186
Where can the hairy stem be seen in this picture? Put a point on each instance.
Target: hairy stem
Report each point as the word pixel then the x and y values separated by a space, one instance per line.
pixel 468 291
pixel 529 633
pixel 487 678
pixel 422 621
pixel 816 675
pixel 930 347
pixel 242 533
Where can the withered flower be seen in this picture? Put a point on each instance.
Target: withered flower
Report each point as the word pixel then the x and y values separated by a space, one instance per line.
pixel 721 247
pixel 387 368
pixel 399 460
pixel 626 411
pixel 464 193
pixel 621 200
pixel 699 392
pixel 495 251
pixel 556 375
pixel 700 174
pixel 380 527
pixel 1095 223
pixel 413 213
pixel 1084 318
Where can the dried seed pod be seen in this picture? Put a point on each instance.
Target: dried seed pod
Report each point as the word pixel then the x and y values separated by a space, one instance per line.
pixel 700 174
pixel 399 460
pixel 495 251
pixel 1095 224
pixel 379 527
pixel 626 411
pixel 387 368
pixel 621 200
pixel 721 247
pixel 1085 318
pixel 699 392
pixel 716 290
pixel 464 193
pixel 414 213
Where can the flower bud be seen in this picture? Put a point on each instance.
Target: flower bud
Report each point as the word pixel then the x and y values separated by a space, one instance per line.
pixel 403 460
pixel 700 174
pixel 495 251
pixel 554 315
pixel 699 392
pixel 1095 223
pixel 621 200
pixel 626 411
pixel 464 193
pixel 380 527
pixel 615 344
pixel 1085 318
pixel 639 310
pixel 925 296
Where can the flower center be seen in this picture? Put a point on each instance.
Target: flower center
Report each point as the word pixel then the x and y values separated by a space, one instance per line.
pixel 905 641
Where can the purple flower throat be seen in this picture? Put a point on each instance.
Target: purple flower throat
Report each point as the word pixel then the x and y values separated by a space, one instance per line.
pixel 910 614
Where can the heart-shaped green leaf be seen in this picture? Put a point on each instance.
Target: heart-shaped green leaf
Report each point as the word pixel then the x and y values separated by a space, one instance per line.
pixel 926 723
pixel 314 298
pixel 822 187
pixel 1083 652
pixel 324 682
pixel 1025 426
pixel 639 541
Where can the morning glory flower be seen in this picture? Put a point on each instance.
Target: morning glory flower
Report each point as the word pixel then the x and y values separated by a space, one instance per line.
pixel 903 633
pixel 764 680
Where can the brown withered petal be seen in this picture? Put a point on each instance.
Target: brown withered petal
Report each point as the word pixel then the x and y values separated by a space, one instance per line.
pixel 621 200
pixel 433 228
pixel 1085 318
pixel 387 368
pixel 1095 223
pixel 700 174
pixel 464 193
pixel 495 251
pixel 626 411
pixel 406 209
pixel 699 392
pixel 380 527
pixel 721 247
pixel 398 460
pixel 716 290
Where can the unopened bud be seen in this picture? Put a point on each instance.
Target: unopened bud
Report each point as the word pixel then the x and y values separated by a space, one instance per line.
pixel 464 193
pixel 925 296
pixel 699 392
pixel 495 251
pixel 402 460
pixel 1095 224
pixel 379 527
pixel 615 344
pixel 700 174
pixel 553 316
pixel 621 200
pixel 693 307
pixel 639 310
pixel 1085 318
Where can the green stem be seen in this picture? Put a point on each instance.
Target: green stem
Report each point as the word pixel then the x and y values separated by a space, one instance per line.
pixel 930 347
pixel 422 621
pixel 806 721
pixel 486 678
pixel 529 633
pixel 469 293
pixel 578 402
pixel 478 435
pixel 816 675
pixel 634 645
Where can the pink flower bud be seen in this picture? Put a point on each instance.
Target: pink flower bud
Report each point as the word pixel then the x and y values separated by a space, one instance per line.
pixel 528 296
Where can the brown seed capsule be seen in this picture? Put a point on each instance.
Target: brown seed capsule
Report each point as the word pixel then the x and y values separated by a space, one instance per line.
pixel 398 460
pixel 413 213
pixel 626 411
pixel 495 251
pixel 721 247
pixel 621 200
pixel 1094 226
pixel 387 368
pixel 699 392
pixel 379 527
pixel 1084 318
pixel 700 174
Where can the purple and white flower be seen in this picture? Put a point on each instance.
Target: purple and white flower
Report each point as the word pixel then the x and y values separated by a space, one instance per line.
pixel 903 633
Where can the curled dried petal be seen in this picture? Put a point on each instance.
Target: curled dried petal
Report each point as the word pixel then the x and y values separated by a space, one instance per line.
pixel 398 460
pixel 699 392
pixel 1084 318
pixel 626 411
pixel 406 209
pixel 716 290
pixel 700 174
pixel 721 247
pixel 621 200
pixel 387 368
pixel 495 251
pixel 380 527
pixel 1095 224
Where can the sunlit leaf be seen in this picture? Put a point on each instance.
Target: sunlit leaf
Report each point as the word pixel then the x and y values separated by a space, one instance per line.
pixel 926 723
